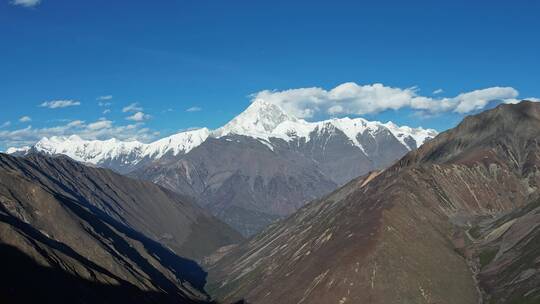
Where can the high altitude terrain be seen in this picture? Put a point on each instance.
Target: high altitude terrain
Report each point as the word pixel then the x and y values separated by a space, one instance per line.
pixel 455 221
pixel 262 165
pixel 76 233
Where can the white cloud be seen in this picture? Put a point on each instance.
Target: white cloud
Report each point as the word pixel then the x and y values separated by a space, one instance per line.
pixel 99 125
pixel 105 97
pixel 5 124
pixel 106 111
pixel 26 3
pixel 139 116
pixel 337 109
pixel 194 109
pixel 25 119
pixel 104 101
pixel 104 104
pixel 75 123
pixel 100 129
pixel 351 98
pixel 55 104
pixel 476 100
pixel 438 91
pixel 134 107
pixel 515 100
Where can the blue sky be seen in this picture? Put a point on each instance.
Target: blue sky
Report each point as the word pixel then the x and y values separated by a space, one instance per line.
pixel 213 57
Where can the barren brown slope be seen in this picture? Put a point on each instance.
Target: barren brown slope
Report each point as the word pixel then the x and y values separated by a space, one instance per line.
pixel 397 236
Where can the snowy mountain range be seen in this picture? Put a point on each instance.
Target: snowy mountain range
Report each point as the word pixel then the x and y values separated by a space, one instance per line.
pixel 121 156
pixel 262 165
pixel 261 120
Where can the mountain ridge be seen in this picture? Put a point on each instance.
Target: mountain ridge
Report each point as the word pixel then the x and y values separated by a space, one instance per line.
pixel 403 234
pixel 261 120
pixel 228 171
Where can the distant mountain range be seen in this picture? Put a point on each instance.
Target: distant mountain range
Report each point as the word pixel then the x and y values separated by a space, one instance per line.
pixel 455 221
pixel 262 165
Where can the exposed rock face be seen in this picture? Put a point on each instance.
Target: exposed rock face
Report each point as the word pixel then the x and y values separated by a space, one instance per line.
pixel 242 181
pixel 261 166
pixel 95 228
pixel 400 235
pixel 507 250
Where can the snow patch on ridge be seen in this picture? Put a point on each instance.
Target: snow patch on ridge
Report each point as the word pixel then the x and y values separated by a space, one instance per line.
pixel 178 143
pixel 13 150
pixel 96 151
pixel 89 151
pixel 419 135
pixel 264 120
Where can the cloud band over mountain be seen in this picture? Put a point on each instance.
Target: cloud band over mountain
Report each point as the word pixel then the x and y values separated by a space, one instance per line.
pixel 313 102
pixel 352 98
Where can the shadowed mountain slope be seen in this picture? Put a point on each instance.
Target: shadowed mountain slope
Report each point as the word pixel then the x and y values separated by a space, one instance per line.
pixel 158 213
pixel 26 281
pixel 401 235
pixel 101 233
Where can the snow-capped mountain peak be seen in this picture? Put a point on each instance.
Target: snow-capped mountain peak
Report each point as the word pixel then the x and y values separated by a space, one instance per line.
pixel 419 135
pixel 182 142
pixel 125 153
pixel 258 120
pixel 17 150
pixel 88 151
pixel 262 120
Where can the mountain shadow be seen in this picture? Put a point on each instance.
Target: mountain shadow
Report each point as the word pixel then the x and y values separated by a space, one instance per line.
pixel 25 281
